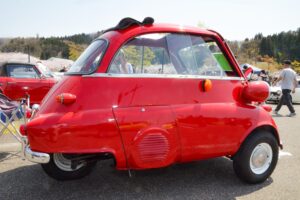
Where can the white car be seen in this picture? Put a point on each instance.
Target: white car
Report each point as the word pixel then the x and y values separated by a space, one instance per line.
pixel 275 93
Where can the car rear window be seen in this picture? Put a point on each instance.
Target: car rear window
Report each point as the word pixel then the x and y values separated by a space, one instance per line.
pixel 90 59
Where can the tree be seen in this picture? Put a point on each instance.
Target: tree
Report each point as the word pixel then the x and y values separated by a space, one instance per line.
pixel 296 66
pixel 75 49
pixel 53 47
pixel 139 55
pixel 266 47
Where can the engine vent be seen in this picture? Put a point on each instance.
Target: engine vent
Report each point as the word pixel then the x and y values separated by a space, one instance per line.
pixel 154 147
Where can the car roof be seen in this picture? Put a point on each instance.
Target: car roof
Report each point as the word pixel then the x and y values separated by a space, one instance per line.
pixel 134 27
pixel 148 22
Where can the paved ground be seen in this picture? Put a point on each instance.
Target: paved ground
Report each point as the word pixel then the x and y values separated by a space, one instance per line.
pixel 211 179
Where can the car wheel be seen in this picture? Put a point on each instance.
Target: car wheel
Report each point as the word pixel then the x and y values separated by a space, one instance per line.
pixel 256 158
pixel 60 167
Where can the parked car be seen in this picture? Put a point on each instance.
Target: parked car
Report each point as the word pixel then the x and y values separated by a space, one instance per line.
pixel 17 80
pixel 275 93
pixel 149 95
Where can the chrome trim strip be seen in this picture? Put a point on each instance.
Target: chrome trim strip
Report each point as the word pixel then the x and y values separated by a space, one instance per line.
pixel 106 75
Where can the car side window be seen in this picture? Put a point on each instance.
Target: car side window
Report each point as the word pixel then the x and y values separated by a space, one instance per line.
pixel 171 53
pixel 145 54
pixel 200 57
pixel 21 71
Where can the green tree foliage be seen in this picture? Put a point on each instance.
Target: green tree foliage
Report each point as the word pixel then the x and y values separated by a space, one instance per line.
pixel 53 47
pixel 139 56
pixel 296 66
pixel 79 38
pixel 268 52
pixel 148 56
pixel 75 49
pixel 285 45
pixel 160 56
pixel 30 45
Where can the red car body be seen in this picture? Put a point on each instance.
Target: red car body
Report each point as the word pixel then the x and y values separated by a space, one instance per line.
pixel 18 80
pixel 150 121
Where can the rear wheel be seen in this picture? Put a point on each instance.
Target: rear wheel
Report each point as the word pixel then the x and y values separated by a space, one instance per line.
pixel 256 158
pixel 60 167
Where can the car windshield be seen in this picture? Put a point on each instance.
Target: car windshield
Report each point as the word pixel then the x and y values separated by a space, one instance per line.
pixel 89 59
pixel 44 70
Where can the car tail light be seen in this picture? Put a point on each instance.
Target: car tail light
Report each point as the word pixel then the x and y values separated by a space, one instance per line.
pixel 66 98
pixel 23 129
pixel 28 113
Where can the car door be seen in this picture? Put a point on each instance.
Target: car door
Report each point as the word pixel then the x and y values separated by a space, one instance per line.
pixel 23 80
pixel 209 119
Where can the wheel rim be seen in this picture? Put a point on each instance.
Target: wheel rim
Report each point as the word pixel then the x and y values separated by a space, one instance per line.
pixel 261 158
pixel 64 163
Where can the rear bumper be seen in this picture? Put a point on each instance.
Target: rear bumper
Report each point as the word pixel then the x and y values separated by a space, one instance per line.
pixel 33 156
pixel 36 157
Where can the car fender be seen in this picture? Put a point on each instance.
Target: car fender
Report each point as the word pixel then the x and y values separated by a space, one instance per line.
pixel 265 122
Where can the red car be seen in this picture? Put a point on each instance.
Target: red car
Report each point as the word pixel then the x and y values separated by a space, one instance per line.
pixel 150 95
pixel 17 80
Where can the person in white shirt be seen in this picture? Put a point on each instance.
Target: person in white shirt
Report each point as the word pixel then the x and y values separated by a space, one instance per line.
pixel 288 85
pixel 124 66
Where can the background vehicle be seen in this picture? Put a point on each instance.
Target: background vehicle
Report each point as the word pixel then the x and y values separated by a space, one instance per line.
pixel 149 95
pixel 18 80
pixel 275 93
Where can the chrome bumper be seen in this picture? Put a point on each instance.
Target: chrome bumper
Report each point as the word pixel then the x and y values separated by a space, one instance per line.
pixel 36 157
pixel 274 97
pixel 33 156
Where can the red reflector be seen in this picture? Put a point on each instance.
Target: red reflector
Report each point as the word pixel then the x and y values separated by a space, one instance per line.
pixel 66 98
pixel 23 130
pixel 206 85
pixel 28 113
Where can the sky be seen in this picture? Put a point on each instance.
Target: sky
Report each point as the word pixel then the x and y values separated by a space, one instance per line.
pixel 234 19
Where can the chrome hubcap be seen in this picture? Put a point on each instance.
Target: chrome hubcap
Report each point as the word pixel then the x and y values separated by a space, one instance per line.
pixel 64 163
pixel 261 158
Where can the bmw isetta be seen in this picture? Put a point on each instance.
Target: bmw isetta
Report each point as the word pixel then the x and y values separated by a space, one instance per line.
pixel 150 95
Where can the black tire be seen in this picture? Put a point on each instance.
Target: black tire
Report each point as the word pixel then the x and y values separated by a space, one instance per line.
pixel 264 147
pixel 57 172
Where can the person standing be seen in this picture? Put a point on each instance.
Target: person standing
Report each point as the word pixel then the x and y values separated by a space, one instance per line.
pixel 288 85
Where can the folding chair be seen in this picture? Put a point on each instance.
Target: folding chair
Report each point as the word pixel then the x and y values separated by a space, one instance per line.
pixel 7 122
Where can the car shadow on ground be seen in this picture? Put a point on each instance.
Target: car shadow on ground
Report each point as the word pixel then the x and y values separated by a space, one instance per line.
pixel 209 179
